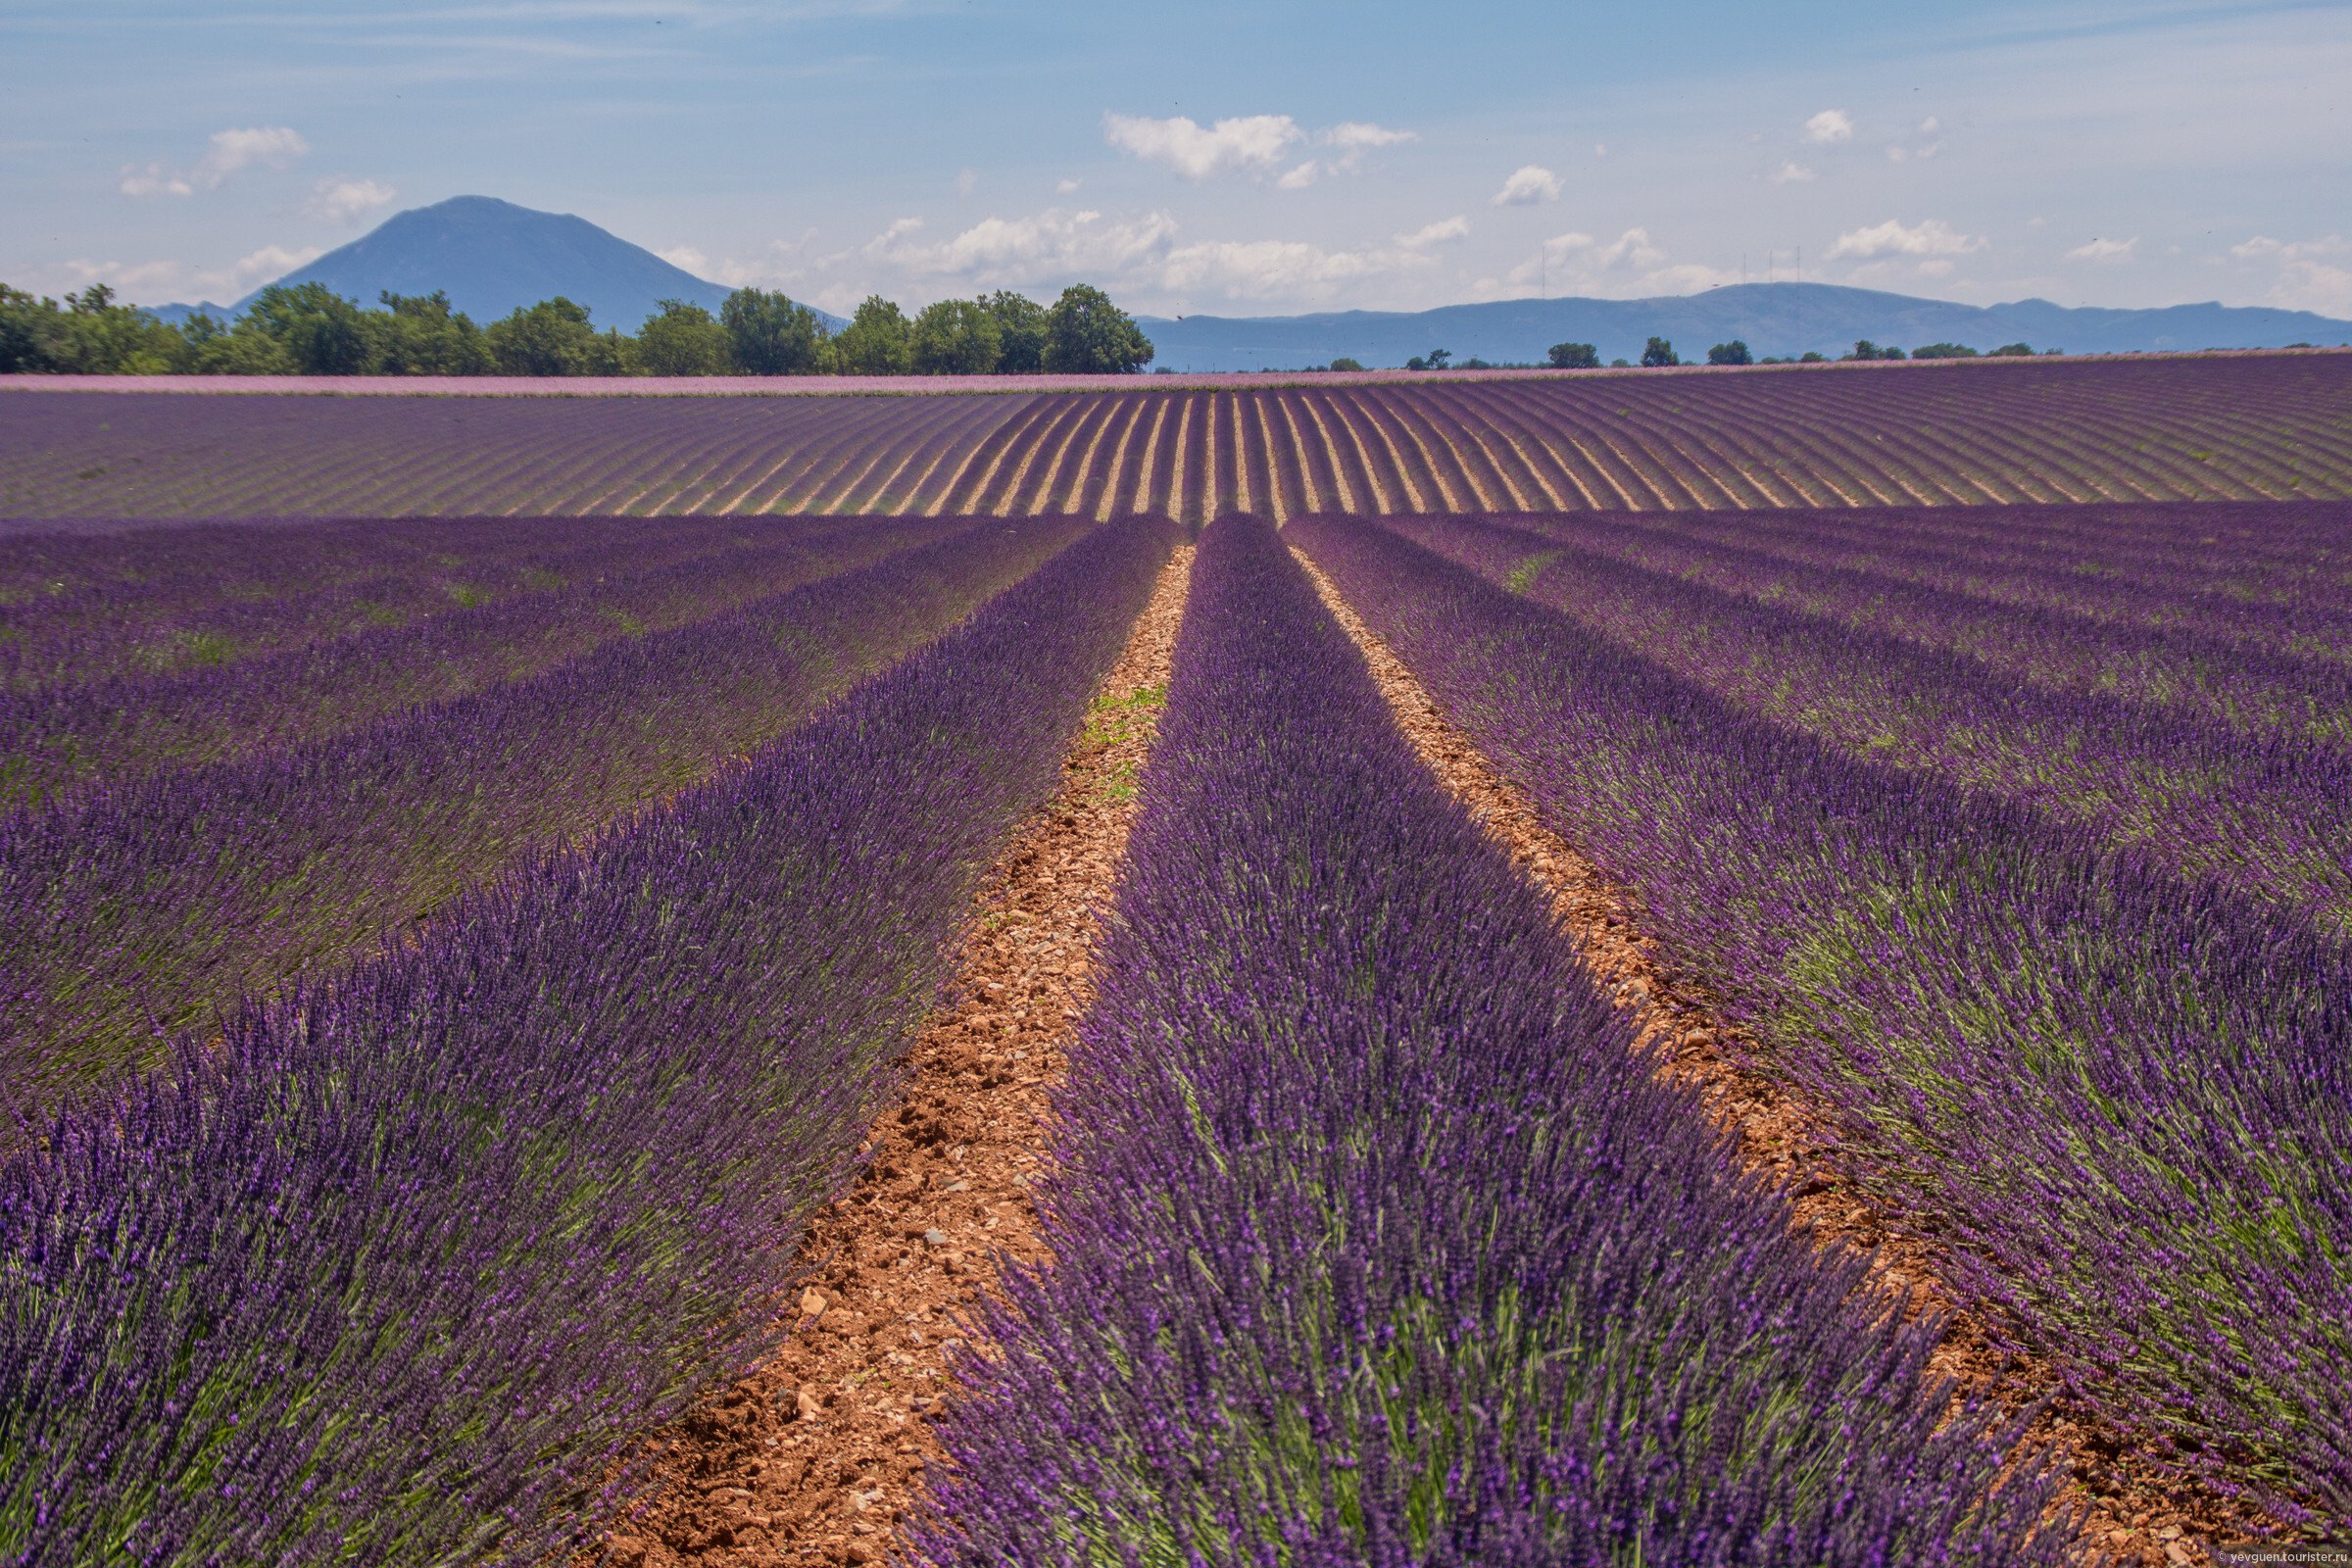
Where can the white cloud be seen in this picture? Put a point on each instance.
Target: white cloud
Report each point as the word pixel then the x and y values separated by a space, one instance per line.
pixel 1437 233
pixel 967 180
pixel 1923 142
pixel 341 200
pixel 1246 143
pixel 1065 187
pixel 1527 186
pixel 1794 173
pixel 1053 244
pixel 1250 144
pixel 2104 250
pixel 687 258
pixel 269 261
pixel 1930 238
pixel 1829 125
pixel 271 146
pixel 1355 138
pixel 1631 266
pixel 2308 278
pixel 1275 269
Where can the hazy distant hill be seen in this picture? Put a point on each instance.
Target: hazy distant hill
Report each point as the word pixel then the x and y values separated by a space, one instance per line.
pixel 1776 318
pixel 492 256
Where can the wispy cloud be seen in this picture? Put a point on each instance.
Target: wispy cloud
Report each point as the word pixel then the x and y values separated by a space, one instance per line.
pixel 271 146
pixel 1529 184
pixel 1250 144
pixel 1930 237
pixel 1442 232
pixel 339 201
pixel 1829 126
pixel 2104 250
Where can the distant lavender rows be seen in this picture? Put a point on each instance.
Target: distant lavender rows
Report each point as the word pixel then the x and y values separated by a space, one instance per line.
pixel 400 1267
pixel 2267 809
pixel 2117 1096
pixel 62 738
pixel 144 910
pixel 1376 1240
pixel 2045 433
pixel 146 601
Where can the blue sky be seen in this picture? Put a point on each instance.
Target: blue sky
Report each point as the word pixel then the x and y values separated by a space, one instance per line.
pixel 1217 157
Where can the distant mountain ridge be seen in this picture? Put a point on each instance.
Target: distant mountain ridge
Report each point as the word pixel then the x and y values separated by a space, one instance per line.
pixel 1772 319
pixel 491 256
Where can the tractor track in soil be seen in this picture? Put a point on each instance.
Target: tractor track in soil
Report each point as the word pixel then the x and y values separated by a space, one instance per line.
pixel 815 1456
pixel 2132 1514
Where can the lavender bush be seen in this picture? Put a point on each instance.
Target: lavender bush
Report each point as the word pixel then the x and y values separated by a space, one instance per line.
pixel 60 737
pixel 143 910
pixel 2117 1096
pixel 394 1271
pixel 1377 1240
pixel 2268 814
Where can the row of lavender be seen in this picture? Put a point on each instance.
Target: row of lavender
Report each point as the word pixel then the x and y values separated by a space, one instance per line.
pixel 1377 1239
pixel 2115 1094
pixel 395 1271
pixel 141 910
pixel 2044 433
pixel 2253 633
pixel 2266 812
pixel 63 739
pixel 79 607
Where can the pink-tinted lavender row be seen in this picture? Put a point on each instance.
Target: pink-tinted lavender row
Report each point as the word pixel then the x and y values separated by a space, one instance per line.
pixel 138 912
pixel 2115 1096
pixel 60 739
pixel 1376 1240
pixel 2269 815
pixel 395 1272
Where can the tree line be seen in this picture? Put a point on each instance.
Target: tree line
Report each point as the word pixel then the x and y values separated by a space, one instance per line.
pixel 1659 353
pixel 309 330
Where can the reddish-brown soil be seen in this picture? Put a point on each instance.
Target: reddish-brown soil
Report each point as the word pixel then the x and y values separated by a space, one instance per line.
pixel 2135 1514
pixel 814 1456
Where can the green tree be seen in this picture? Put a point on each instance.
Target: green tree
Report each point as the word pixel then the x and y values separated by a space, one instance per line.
pixel 957 337
pixel 32 333
pixel 1573 357
pixel 1657 353
pixel 420 335
pixel 768 334
pixel 552 338
pixel 1812 357
pixel 1345 365
pixel 1864 349
pixel 1733 353
pixel 320 331
pixel 1020 331
pixel 2012 351
pixel 875 342
pixel 1087 335
pixel 682 339
pixel 210 346
pixel 95 336
pixel 1944 351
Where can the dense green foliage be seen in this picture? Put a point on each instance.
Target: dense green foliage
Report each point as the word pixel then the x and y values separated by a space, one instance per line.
pixel 308 329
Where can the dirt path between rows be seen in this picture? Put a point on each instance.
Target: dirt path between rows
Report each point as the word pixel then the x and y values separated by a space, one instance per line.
pixel 2135 1515
pixel 815 1456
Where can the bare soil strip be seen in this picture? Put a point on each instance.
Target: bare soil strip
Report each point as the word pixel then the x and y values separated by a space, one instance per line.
pixel 815 1456
pixel 2134 1514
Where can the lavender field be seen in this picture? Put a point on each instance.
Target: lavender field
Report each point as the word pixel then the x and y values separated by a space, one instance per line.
pixel 472 873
